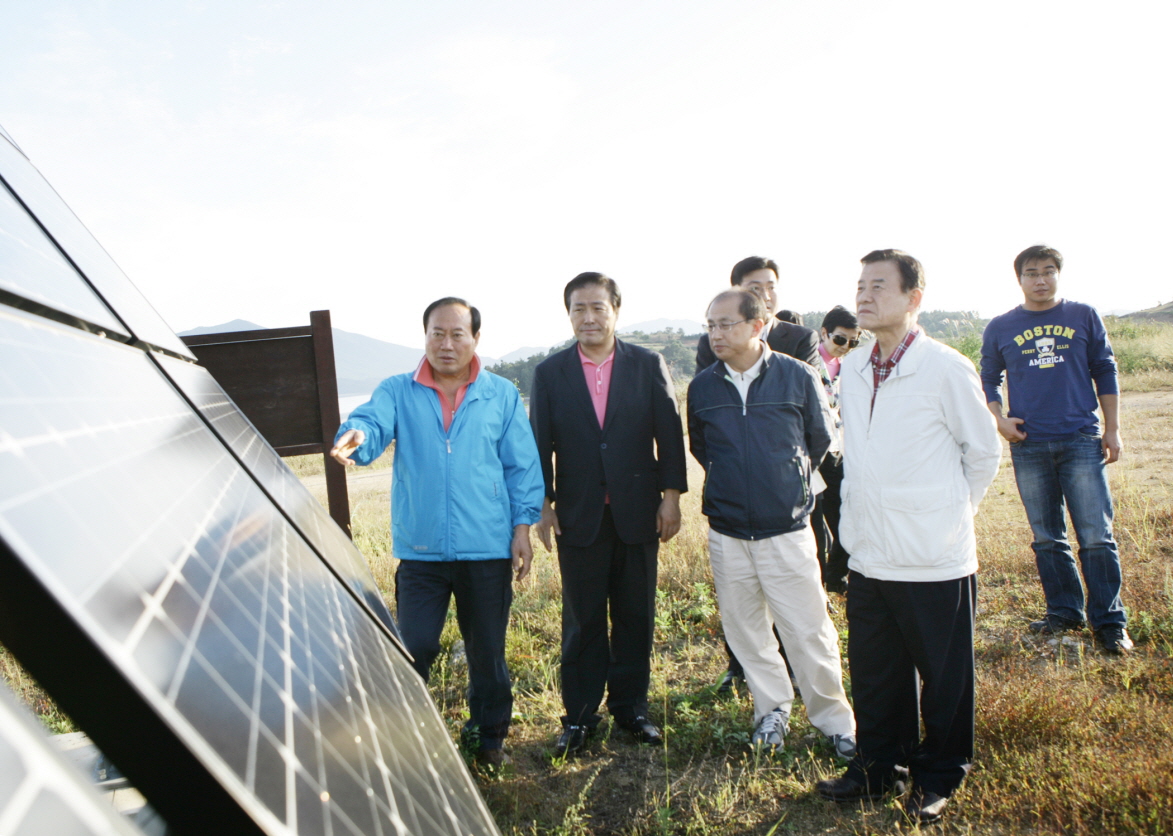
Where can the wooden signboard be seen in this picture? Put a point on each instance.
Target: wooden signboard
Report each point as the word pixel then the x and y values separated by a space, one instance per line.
pixel 284 381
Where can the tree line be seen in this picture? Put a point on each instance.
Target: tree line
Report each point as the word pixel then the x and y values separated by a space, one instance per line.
pixel 679 349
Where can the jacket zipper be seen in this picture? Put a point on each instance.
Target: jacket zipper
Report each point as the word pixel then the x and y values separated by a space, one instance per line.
pixel 745 447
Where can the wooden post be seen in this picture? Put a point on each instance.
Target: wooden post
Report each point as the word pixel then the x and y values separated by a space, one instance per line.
pixel 336 493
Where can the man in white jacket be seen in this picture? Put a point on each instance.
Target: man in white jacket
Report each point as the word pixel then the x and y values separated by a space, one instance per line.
pixel 920 449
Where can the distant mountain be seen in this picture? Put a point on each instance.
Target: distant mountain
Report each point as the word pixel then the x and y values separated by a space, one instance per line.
pixel 523 353
pixel 234 325
pixel 651 326
pixel 1163 313
pixel 361 362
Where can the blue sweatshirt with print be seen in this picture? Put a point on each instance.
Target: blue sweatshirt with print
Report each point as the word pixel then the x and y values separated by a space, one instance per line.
pixel 1050 359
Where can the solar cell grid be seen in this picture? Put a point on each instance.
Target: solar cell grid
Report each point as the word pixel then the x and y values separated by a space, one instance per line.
pixel 306 513
pixel 148 533
pixel 33 268
pixel 42 794
pixel 91 259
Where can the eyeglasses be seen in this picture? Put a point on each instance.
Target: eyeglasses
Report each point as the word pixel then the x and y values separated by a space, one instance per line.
pixel 1046 274
pixel 723 327
pixel 850 342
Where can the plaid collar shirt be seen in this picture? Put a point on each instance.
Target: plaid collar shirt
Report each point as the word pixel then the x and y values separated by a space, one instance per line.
pixel 882 369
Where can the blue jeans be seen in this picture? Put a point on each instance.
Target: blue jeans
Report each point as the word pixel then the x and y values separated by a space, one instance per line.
pixel 1054 477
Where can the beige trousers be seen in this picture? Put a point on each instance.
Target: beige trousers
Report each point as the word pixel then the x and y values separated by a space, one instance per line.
pixel 775 582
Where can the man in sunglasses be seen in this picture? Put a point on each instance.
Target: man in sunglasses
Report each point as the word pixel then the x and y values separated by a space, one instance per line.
pixel 839 335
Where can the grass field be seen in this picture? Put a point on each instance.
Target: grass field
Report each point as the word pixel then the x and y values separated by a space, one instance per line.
pixel 1069 741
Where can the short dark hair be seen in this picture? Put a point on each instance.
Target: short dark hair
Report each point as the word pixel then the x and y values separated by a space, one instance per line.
pixel 1037 253
pixel 912 274
pixel 787 315
pixel 749 304
pixel 583 279
pixel 750 265
pixel 452 300
pixel 839 317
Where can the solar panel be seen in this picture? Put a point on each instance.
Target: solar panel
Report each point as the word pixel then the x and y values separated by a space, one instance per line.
pixel 42 794
pixel 185 600
pixel 34 269
pixel 92 261
pixel 306 513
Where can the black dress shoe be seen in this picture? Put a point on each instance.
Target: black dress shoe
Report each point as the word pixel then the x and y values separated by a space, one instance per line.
pixel 924 807
pixel 644 730
pixel 572 739
pixel 492 760
pixel 728 685
pixel 846 788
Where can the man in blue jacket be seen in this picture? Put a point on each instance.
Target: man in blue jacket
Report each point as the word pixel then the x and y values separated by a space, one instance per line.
pixel 466 488
pixel 759 424
pixel 1052 351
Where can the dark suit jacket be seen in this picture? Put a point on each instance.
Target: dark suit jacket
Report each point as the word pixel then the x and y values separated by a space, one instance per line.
pixel 637 454
pixel 785 337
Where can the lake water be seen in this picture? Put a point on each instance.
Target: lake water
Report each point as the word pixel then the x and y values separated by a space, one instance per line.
pixel 347 404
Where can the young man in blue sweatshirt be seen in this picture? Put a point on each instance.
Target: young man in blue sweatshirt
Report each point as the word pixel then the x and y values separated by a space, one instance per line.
pixel 1052 351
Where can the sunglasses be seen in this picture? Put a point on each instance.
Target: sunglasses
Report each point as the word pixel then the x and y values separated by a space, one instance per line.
pixel 850 342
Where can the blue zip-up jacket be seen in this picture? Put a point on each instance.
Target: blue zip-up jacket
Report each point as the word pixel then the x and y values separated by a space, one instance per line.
pixel 455 495
pixel 758 455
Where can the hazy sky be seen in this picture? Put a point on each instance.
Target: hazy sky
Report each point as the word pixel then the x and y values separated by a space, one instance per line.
pixel 258 160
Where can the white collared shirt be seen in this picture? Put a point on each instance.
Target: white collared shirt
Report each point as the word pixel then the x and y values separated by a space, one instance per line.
pixel 742 380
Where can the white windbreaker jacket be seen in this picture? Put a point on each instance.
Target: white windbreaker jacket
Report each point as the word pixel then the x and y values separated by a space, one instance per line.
pixel 917 466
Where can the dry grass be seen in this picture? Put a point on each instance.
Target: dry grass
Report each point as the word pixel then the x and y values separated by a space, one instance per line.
pixel 1069 741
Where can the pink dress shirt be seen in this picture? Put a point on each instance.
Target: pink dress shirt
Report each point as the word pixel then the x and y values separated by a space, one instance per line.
pixel 598 381
pixel 832 363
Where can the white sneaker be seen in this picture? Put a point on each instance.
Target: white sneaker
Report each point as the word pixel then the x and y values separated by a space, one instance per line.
pixel 771 730
pixel 844 745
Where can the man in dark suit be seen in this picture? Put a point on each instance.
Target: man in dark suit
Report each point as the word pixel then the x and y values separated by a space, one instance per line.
pixel 612 450
pixel 760 275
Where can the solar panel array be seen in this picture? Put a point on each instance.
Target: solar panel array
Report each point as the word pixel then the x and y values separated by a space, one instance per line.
pixel 174 586
pixel 42 794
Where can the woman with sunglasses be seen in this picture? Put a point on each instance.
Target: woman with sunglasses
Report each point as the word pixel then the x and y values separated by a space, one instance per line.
pixel 839 335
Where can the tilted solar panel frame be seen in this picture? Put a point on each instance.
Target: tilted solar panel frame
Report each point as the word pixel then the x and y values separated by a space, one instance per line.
pixel 168 583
